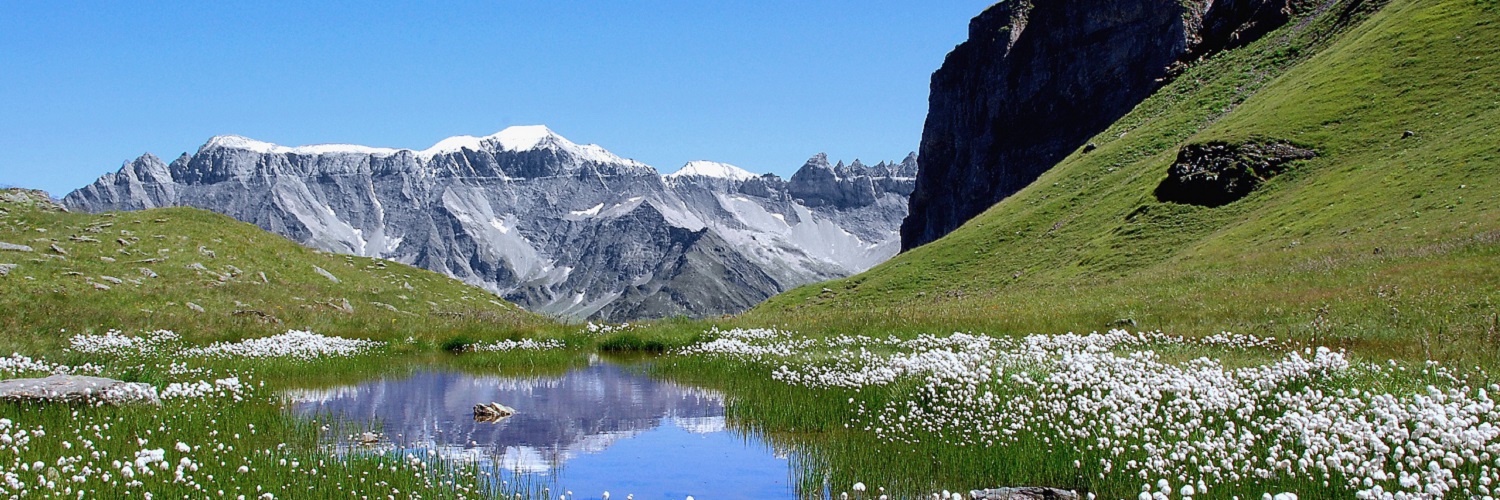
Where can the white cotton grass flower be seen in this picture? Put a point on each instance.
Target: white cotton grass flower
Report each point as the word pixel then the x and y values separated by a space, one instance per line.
pixel 604 328
pixel 225 387
pixel 1196 420
pixel 115 343
pixel 292 344
pixel 295 344
pixel 517 345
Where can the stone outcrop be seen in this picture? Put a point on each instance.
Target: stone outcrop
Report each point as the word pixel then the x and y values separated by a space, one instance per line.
pixel 77 389
pixel 35 199
pixel 1025 493
pixel 1036 80
pixel 1218 173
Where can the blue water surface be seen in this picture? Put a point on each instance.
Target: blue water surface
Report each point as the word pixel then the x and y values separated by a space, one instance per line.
pixel 598 428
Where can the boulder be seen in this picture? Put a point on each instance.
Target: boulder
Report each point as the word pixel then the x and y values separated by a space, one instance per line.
pixel 324 273
pixel 1218 173
pixel 492 412
pixel 369 438
pixel 1025 493
pixel 77 389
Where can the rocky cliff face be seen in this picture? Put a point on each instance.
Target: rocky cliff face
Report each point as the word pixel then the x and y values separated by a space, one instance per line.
pixel 1037 79
pixel 557 227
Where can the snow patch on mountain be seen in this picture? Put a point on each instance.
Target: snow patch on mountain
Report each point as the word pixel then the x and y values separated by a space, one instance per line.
pixel 248 144
pixel 712 170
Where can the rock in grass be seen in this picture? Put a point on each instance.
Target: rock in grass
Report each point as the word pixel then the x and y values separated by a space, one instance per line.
pixel 111 279
pixel 107 260
pixel 59 249
pixel 258 315
pixel 101 286
pixel 1025 493
pixel 77 389
pixel 386 306
pixel 1218 173
pixel 5 269
pixel 148 273
pixel 14 247
pixel 326 274
pixel 342 305
pixel 194 307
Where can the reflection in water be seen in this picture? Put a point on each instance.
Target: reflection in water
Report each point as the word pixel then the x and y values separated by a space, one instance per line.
pixel 595 429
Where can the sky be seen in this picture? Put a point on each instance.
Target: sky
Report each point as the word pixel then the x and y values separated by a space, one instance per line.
pixel 764 85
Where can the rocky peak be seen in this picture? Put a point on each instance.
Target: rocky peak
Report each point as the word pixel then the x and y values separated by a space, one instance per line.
pixel 148 166
pixel 819 160
pixel 818 184
pixel 555 226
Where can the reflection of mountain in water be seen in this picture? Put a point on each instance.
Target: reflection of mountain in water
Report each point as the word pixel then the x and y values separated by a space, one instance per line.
pixel 556 419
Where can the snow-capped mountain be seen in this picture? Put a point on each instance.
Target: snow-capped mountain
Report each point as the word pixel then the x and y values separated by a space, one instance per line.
pixel 557 227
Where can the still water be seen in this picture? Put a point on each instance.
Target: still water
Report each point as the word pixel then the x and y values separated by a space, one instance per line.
pixel 595 429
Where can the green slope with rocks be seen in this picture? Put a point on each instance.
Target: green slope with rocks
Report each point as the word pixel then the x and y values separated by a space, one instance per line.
pixel 209 277
pixel 1389 239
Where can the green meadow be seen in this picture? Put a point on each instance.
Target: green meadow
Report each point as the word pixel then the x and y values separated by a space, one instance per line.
pixel 1384 251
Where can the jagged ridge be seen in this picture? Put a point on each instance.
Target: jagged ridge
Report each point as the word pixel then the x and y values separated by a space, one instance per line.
pixel 558 227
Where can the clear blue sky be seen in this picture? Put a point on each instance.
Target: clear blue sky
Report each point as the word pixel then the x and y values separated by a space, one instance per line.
pixel 764 84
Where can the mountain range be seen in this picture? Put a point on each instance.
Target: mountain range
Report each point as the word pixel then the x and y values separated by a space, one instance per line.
pixel 557 227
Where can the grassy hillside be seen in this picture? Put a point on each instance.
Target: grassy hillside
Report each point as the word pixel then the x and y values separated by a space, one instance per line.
pixel 209 278
pixel 1385 241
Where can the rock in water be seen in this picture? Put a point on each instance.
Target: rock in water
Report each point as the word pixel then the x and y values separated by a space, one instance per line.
pixel 1036 80
pixel 492 412
pixel 77 389
pixel 1026 493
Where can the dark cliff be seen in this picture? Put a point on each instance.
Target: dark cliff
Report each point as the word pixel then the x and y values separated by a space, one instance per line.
pixel 1036 80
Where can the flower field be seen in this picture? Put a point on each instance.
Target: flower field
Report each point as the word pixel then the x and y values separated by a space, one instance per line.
pixel 1115 415
pixel 216 434
pixel 1110 413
